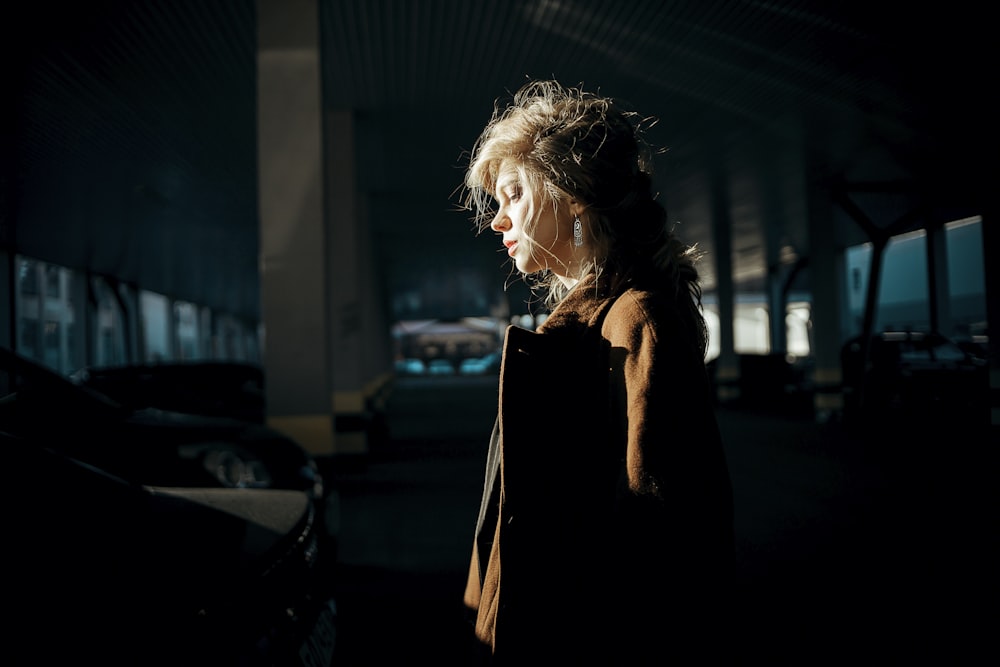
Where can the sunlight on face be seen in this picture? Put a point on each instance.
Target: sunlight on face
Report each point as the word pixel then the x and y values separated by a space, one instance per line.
pixel 535 236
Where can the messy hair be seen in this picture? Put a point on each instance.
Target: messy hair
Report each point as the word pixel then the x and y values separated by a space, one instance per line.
pixel 569 144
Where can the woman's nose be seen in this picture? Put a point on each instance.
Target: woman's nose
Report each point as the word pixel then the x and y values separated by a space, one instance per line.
pixel 500 222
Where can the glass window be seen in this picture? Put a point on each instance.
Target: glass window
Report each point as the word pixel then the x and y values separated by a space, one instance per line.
pixel 187 330
pixel 966 278
pixel 751 328
pixel 27 276
pixel 904 300
pixel 798 327
pixel 53 282
pixel 232 338
pixel 51 356
pixel 155 313
pixel 111 348
pixel 46 329
pixel 28 308
pixel 27 342
pixel 904 303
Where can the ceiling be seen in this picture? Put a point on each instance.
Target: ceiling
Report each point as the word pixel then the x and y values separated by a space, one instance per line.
pixel 130 148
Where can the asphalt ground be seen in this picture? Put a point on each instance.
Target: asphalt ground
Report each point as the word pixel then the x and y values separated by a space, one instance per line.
pixel 855 545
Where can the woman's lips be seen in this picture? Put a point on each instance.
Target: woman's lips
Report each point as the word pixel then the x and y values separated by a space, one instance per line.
pixel 510 247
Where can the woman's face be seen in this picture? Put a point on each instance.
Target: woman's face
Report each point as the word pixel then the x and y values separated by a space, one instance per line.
pixel 546 243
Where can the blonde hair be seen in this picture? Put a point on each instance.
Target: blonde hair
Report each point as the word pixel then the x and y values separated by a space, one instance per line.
pixel 569 144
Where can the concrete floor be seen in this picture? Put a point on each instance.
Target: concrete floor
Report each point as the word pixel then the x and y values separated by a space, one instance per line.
pixel 853 547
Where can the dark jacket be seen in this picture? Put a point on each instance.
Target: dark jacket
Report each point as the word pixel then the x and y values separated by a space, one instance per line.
pixel 605 531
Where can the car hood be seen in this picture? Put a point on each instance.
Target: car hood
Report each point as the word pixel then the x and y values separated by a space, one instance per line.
pixel 266 516
pixel 74 526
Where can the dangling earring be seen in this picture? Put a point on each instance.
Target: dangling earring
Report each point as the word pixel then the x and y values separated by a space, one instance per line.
pixel 577 231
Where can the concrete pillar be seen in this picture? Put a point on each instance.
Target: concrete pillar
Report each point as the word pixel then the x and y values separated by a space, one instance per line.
pixel 327 355
pixel 772 225
pixel 295 303
pixel 727 374
pixel 826 278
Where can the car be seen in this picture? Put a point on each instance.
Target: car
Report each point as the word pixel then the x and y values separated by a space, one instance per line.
pixel 484 365
pixel 128 435
pixel 440 367
pixel 203 536
pixel 914 376
pixel 106 571
pixel 410 367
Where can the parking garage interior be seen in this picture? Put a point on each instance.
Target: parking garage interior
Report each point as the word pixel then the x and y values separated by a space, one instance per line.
pixel 272 183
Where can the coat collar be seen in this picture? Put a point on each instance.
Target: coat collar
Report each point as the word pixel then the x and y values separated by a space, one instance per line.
pixel 582 308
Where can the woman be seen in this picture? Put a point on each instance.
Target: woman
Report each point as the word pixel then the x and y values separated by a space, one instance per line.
pixel 605 530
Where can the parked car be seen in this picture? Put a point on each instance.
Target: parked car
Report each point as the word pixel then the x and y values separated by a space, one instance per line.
pixel 440 367
pixel 410 367
pixel 106 571
pixel 140 533
pixel 126 435
pixel 921 377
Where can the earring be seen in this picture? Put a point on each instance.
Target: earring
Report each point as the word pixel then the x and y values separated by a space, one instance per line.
pixel 577 231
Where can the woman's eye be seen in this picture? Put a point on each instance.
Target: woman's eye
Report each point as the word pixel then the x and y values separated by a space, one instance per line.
pixel 515 194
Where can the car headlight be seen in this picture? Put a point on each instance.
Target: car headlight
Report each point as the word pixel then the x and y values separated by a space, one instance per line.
pixel 236 470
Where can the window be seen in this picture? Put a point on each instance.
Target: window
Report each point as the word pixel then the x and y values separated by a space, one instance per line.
pixel 903 295
pixel 111 347
pixel 46 319
pixel 966 279
pixel 751 328
pixel 798 325
pixel 904 303
pixel 155 313
pixel 188 331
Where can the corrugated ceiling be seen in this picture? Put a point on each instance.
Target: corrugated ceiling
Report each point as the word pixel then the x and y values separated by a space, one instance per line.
pixel 135 121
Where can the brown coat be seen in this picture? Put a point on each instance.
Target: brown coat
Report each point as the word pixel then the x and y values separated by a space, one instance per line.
pixel 605 531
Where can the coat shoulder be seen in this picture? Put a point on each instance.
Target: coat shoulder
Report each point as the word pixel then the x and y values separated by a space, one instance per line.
pixel 636 313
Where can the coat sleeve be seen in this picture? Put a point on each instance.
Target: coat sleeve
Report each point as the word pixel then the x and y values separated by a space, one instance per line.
pixel 673 517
